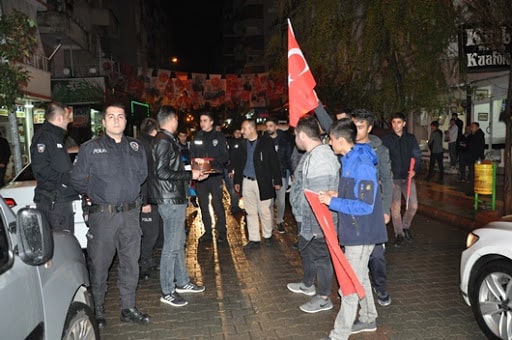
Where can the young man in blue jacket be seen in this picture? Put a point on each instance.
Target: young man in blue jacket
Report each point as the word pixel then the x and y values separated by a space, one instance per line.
pixel 360 223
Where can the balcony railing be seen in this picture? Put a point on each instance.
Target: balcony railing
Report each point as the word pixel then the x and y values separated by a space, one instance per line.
pixel 37 61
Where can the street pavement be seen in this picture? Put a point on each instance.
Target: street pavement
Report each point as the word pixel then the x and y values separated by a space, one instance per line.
pixel 246 295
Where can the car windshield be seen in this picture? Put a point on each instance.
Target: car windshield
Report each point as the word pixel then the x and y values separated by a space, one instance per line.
pixel 26 174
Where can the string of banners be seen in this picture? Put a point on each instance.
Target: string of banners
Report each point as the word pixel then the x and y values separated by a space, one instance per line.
pixel 157 87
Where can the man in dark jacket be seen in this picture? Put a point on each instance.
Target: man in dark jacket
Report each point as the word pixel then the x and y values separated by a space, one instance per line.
pixel 167 187
pixel 149 217
pixel 257 173
pixel 211 144
pixel 110 170
pixel 284 152
pixel 435 145
pixel 51 164
pixel 473 152
pixel 402 147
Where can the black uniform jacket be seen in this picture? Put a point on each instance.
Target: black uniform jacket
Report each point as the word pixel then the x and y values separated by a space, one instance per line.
pixel 110 172
pixel 51 165
pixel 266 165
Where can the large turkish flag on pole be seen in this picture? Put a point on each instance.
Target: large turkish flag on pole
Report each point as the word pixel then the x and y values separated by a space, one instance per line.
pixel 347 279
pixel 301 94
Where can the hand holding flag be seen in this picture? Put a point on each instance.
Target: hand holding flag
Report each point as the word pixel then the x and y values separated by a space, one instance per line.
pixel 301 94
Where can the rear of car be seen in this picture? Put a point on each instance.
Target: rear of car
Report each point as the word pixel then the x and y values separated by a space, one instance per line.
pixel 486 278
pixel 19 193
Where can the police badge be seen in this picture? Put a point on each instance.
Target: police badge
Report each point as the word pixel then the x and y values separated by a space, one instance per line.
pixel 134 146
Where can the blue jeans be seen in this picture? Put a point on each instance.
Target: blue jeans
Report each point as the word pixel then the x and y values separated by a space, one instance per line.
pixel 172 261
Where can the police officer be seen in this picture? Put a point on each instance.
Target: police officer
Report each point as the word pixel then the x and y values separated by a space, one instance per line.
pixel 110 170
pixel 150 221
pixel 209 143
pixel 51 165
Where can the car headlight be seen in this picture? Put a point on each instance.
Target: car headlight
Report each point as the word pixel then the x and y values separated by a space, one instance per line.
pixel 471 239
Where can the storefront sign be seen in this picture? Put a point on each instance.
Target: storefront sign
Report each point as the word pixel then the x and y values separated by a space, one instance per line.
pixel 478 56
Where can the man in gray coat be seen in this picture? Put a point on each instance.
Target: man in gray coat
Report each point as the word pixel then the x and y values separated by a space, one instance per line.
pixel 318 170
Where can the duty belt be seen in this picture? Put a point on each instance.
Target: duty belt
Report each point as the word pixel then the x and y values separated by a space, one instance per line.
pixel 111 208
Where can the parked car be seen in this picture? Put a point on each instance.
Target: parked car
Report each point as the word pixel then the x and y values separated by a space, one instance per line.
pixel 19 193
pixel 44 281
pixel 486 277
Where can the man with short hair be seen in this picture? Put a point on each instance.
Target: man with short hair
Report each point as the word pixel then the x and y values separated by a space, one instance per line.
pixel 211 144
pixel 360 223
pixel 364 120
pixel 149 217
pixel 318 170
pixel 110 170
pixel 258 176
pixel 51 165
pixel 167 187
pixel 473 152
pixel 402 147
pixel 435 145
pixel 284 152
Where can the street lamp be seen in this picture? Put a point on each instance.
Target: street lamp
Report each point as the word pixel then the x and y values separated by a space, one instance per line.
pixel 174 61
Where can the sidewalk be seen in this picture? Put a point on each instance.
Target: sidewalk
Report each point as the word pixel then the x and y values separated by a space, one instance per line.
pixel 452 203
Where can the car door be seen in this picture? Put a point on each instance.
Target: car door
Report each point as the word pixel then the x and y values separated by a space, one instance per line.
pixel 20 295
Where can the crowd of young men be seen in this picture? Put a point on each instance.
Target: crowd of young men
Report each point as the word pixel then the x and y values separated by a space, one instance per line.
pixel 146 184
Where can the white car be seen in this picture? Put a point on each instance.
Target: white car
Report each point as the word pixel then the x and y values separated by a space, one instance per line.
pixel 19 193
pixel 486 278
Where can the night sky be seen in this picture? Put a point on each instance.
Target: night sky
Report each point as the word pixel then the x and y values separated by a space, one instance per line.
pixel 196 34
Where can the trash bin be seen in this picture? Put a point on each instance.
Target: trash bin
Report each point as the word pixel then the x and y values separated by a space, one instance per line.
pixel 484 178
pixel 485 182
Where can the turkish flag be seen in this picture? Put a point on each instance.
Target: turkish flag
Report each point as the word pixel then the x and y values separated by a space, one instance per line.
pixel 347 279
pixel 301 94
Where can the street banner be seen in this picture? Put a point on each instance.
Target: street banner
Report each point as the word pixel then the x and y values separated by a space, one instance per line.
pixel 347 279
pixel 301 94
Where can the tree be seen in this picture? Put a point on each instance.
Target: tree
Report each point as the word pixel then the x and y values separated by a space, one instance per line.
pixel 494 18
pixel 17 42
pixel 383 55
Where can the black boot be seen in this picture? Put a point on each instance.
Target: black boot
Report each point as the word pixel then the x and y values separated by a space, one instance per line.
pixel 134 315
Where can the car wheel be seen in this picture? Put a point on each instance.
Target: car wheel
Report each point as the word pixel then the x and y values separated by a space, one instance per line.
pixel 491 299
pixel 80 323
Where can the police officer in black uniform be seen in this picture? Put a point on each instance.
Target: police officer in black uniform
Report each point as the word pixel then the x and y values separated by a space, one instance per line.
pixel 110 170
pixel 150 221
pixel 209 143
pixel 51 165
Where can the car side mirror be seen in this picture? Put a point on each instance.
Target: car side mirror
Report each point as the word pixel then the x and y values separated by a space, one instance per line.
pixel 35 238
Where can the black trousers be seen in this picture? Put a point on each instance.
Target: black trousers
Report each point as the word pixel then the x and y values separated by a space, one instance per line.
pixel 212 185
pixel 60 215
pixel 150 225
pixel 436 157
pixel 110 233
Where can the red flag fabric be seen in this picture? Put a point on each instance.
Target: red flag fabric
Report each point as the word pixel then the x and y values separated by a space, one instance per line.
pixel 347 279
pixel 409 182
pixel 301 94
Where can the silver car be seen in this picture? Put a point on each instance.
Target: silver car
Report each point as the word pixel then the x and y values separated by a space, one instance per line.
pixel 44 281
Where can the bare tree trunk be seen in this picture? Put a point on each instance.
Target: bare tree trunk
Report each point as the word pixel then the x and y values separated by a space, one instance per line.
pixel 13 124
pixel 507 195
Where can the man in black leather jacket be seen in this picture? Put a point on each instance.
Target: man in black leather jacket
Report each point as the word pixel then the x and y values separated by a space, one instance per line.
pixel 167 187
